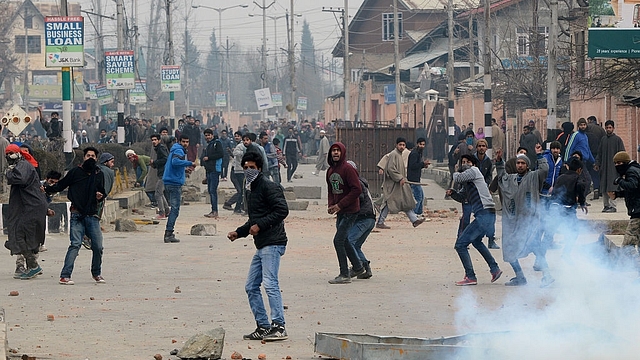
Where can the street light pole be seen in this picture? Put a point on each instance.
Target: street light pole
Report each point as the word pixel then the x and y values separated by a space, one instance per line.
pixel 219 38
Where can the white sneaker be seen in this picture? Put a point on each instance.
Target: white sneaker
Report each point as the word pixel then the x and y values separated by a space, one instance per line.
pixel 314 173
pixel 42 248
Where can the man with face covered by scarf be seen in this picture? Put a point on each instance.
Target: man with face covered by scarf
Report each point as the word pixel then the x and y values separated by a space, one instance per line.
pixel 86 193
pixel 25 219
pixel 267 208
pixel 628 182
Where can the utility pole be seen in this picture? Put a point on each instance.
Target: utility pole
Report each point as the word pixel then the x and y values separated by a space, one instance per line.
pixel 264 8
pixel 396 60
pixel 228 78
pixel 488 102
pixel 25 97
pixel 292 64
pixel 120 93
pixel 450 69
pixel 136 46
pixel 552 75
pixel 169 60
pixel 186 59
pixel 346 71
pixel 67 132
pixel 360 89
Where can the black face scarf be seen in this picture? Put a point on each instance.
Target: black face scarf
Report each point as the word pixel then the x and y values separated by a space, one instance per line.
pixel 622 168
pixel 89 165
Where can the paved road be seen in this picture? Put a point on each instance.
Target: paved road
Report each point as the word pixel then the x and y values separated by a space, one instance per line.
pixel 138 313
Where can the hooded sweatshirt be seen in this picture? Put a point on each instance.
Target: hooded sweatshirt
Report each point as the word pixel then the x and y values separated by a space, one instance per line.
pixel 343 183
pixel 174 168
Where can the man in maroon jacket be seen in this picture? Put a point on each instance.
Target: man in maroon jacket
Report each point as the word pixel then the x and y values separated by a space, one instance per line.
pixel 344 192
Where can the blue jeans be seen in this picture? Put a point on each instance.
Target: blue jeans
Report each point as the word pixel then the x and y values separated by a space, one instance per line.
pixel 213 179
pixel 344 249
pixel 264 270
pixel 466 219
pixel 473 234
pixel 237 179
pixel 80 226
pixel 275 174
pixel 175 198
pixel 418 194
pixel 358 235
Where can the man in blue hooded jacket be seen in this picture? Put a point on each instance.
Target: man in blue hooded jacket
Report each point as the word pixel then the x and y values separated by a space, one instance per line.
pixel 174 177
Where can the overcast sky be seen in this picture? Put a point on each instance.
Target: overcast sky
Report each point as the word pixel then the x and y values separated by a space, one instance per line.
pixel 236 22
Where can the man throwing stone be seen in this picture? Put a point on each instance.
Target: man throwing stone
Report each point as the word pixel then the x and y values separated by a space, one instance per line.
pixel 267 208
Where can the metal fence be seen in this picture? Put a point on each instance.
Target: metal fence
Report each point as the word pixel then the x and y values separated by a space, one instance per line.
pixel 366 146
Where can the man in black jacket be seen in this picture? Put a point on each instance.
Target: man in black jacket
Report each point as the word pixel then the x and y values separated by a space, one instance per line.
pixel 212 160
pixel 162 154
pixel 267 208
pixel 86 193
pixel 193 132
pixel 567 194
pixel 415 165
pixel 629 188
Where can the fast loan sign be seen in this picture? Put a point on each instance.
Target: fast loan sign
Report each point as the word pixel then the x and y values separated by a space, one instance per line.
pixel 120 69
pixel 64 41
pixel 170 78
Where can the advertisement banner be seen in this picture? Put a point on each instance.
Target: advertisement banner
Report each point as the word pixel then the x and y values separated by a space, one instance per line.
pixel 302 103
pixel 276 99
pixel 170 80
pixel 92 91
pixel 138 95
pixel 263 99
pixel 221 99
pixel 64 41
pixel 104 95
pixel 120 68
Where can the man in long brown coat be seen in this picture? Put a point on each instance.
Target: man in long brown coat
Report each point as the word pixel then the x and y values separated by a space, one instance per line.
pixel 397 194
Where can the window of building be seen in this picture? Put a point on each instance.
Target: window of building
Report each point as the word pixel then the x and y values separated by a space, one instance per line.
pixel 33 44
pixel 387 26
pixel 28 22
pixel 525 43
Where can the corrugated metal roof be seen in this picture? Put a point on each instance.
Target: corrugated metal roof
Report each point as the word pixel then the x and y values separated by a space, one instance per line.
pixel 439 4
pixel 439 49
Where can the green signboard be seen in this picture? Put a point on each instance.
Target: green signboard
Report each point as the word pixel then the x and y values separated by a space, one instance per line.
pixel 614 43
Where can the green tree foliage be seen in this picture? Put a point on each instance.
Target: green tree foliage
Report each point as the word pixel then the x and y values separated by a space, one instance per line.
pixel 308 73
pixel 212 66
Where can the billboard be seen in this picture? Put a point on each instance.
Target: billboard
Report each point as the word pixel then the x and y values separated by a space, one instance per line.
pixel 170 80
pixel 221 99
pixel 276 98
pixel 615 43
pixel 138 95
pixel 302 103
pixel 64 41
pixel 263 99
pixel 104 95
pixel 120 68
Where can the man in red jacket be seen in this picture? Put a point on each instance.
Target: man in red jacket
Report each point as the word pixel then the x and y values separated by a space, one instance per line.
pixel 344 188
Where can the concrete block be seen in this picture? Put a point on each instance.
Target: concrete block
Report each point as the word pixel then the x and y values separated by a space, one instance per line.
pixel 131 199
pixel 306 192
pixel 298 205
pixel 290 195
pixel 204 230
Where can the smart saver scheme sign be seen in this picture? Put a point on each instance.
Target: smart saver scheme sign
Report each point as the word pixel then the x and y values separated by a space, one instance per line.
pixel 170 80
pixel 64 41
pixel 120 67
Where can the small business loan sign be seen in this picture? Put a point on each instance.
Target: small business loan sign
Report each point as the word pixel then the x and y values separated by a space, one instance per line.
pixel 616 43
pixel 64 41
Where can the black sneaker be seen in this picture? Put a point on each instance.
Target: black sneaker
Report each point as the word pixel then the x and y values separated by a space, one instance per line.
pixel 516 281
pixel 86 242
pixel 227 207
pixel 340 279
pixel 257 334
pixel 276 333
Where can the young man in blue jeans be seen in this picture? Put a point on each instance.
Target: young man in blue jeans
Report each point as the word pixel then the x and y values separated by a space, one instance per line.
pixel 267 208
pixel 174 177
pixel 476 192
pixel 86 193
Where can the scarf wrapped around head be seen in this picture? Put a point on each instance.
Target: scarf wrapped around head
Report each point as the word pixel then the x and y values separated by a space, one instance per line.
pixel 25 150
